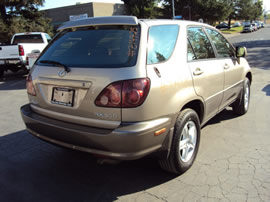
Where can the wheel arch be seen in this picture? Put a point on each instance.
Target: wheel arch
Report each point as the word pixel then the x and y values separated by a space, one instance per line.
pixel 249 76
pixel 197 106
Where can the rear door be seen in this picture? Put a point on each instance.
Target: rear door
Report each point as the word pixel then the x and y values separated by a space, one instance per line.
pixel 232 69
pixel 97 56
pixel 206 70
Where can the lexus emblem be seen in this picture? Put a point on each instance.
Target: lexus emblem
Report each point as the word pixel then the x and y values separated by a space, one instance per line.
pixel 62 73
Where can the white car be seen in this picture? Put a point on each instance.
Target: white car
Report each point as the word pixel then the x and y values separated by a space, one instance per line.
pixel 13 57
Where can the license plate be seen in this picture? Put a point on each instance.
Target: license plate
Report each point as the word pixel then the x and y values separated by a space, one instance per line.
pixel 2 62
pixel 13 61
pixel 63 96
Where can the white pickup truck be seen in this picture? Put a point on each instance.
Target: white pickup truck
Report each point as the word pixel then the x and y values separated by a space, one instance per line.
pixel 13 57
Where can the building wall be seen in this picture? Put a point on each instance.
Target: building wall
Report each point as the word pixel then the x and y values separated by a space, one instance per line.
pixel 108 9
pixel 93 9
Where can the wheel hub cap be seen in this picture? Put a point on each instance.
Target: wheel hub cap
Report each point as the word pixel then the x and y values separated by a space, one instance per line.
pixel 246 97
pixel 188 141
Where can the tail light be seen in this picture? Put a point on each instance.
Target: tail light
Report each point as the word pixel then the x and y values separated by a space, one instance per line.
pixel 30 86
pixel 21 50
pixel 125 94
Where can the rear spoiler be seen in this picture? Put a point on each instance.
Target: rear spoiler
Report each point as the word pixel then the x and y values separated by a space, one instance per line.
pixel 108 20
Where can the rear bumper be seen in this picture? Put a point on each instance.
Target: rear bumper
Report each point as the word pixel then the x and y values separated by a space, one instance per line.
pixel 128 141
pixel 15 63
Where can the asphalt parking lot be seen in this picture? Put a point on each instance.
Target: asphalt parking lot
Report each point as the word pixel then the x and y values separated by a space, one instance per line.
pixel 233 163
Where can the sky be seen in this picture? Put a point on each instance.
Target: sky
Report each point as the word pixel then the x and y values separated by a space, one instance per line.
pixel 60 3
pixel 266 5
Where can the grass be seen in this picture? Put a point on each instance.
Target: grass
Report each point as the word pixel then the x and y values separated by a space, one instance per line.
pixel 233 30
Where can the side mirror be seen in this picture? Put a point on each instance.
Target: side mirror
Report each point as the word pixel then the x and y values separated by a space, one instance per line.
pixel 241 51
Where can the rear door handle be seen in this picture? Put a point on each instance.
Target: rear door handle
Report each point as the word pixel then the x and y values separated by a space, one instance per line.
pixel 226 66
pixel 197 72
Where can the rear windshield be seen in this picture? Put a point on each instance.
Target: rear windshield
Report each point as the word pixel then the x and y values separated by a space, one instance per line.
pixel 94 47
pixel 33 38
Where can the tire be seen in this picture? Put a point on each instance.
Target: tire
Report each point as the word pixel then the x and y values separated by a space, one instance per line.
pixel 186 135
pixel 241 105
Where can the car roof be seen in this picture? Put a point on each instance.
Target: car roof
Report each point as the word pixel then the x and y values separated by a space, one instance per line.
pixel 124 20
pixel 28 33
pixel 151 22
pixel 107 20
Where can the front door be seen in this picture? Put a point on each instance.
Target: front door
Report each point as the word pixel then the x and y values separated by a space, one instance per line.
pixel 206 70
pixel 232 69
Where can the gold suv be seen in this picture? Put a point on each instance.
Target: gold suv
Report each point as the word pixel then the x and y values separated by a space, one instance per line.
pixel 125 88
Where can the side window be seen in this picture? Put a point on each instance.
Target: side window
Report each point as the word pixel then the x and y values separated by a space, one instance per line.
pixel 48 38
pixel 200 43
pixel 224 49
pixel 190 53
pixel 161 43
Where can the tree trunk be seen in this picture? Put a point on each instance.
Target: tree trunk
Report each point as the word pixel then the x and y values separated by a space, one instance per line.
pixel 229 21
pixel 3 12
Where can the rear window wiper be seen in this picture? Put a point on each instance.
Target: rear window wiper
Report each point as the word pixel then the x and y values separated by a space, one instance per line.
pixel 59 64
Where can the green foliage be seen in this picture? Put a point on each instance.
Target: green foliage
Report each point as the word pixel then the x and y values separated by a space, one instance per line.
pixel 142 8
pixel 209 10
pixel 232 30
pixel 248 10
pixel 212 11
pixel 22 16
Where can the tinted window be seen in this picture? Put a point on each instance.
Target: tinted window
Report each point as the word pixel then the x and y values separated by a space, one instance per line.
pixel 48 38
pixel 224 49
pixel 161 43
pixel 95 46
pixel 33 38
pixel 200 43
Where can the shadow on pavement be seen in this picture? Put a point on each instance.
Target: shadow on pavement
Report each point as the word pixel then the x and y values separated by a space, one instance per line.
pixel 226 114
pixel 13 81
pixel 33 170
pixel 258 53
pixel 266 89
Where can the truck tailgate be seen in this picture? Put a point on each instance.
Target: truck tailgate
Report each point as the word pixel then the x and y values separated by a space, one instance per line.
pixel 9 52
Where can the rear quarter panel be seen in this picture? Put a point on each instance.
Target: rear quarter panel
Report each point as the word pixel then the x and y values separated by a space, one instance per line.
pixel 170 92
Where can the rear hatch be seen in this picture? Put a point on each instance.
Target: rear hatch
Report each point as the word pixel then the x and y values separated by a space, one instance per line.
pixel 76 68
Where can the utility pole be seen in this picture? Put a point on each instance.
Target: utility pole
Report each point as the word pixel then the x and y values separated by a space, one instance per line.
pixel 189 11
pixel 173 10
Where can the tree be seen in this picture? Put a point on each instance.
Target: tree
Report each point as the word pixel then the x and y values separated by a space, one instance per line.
pixel 257 10
pixel 209 10
pixel 212 10
pixel 22 16
pixel 185 8
pixel 248 10
pixel 142 8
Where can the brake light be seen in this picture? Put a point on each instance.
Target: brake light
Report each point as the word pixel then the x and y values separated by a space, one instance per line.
pixel 110 96
pixel 30 86
pixel 125 94
pixel 21 50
